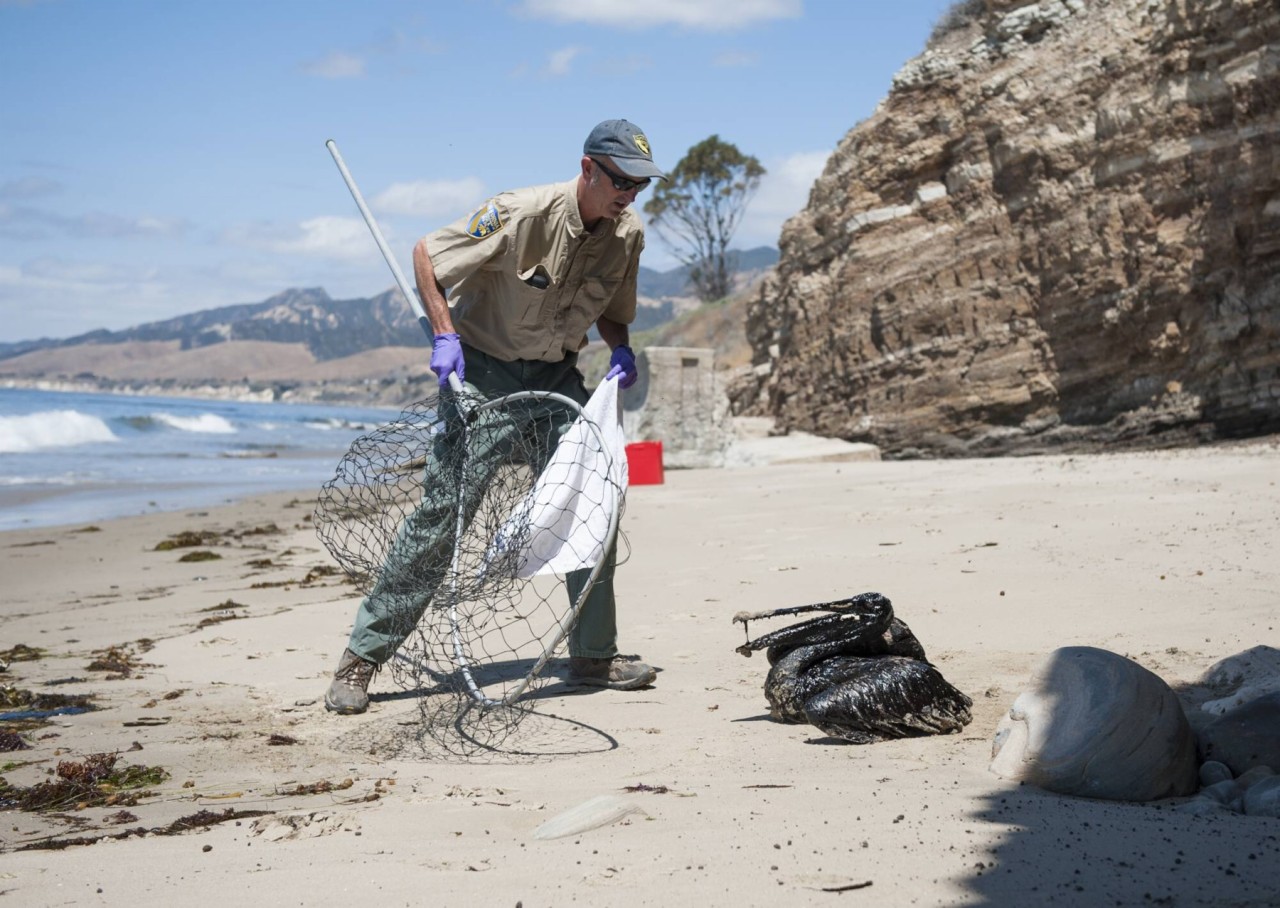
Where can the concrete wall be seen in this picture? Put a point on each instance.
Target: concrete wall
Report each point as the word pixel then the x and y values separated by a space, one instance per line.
pixel 676 401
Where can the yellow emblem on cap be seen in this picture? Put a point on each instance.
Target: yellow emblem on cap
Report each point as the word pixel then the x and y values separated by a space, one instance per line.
pixel 643 144
pixel 485 222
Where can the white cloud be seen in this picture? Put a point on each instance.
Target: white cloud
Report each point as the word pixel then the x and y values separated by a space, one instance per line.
pixel 328 236
pixel 336 65
pixel 701 14
pixel 438 200
pixel 784 191
pixel 561 60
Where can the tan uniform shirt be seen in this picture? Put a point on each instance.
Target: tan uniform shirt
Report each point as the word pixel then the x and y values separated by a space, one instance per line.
pixel 485 259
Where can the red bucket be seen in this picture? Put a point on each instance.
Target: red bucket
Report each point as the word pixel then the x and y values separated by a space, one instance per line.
pixel 644 463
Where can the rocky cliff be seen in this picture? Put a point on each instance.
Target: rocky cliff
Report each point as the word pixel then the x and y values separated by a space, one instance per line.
pixel 1060 230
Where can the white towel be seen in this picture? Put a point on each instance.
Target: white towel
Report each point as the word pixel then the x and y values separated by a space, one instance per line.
pixel 566 524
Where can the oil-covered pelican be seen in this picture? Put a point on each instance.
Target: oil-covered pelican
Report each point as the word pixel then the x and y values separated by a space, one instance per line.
pixel 855 672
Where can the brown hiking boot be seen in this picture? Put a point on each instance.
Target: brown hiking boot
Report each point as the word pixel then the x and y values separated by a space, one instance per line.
pixel 618 673
pixel 349 692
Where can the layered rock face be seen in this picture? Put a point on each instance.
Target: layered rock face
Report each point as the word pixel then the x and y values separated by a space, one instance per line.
pixel 1060 230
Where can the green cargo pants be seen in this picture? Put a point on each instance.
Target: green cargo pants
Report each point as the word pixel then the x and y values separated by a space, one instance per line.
pixel 420 556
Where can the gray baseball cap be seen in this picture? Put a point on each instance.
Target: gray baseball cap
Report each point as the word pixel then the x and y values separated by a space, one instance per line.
pixel 624 143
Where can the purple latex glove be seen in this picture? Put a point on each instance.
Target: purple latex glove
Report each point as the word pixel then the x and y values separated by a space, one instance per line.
pixel 623 363
pixel 446 358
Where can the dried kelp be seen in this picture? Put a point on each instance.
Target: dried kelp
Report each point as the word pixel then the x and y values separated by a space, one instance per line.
pixel 651 789
pixel 200 820
pixel 316 788
pixel 268 529
pixel 120 660
pixel 22 709
pixel 11 741
pixel 94 781
pixel 200 555
pixel 21 653
pixel 218 619
pixel 320 571
pixel 187 539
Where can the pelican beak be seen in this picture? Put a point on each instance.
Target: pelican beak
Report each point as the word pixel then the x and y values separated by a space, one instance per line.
pixel 864 602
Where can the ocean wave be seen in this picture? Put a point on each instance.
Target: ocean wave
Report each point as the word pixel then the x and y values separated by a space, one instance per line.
pixel 204 423
pixel 51 429
pixel 338 423
pixel 63 480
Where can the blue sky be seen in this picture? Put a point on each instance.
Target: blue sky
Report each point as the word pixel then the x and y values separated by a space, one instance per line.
pixel 159 157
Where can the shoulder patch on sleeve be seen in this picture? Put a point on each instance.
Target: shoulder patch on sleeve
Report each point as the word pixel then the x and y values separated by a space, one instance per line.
pixel 486 221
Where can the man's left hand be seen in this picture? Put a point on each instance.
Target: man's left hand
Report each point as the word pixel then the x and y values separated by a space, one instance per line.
pixel 622 366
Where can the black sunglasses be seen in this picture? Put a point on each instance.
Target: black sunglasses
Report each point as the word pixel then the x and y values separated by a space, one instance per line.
pixel 621 183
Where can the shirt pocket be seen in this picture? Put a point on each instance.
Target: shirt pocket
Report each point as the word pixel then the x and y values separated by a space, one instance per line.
pixel 598 291
pixel 533 307
pixel 590 302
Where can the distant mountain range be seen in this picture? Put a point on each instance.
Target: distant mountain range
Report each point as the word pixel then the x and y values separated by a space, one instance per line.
pixel 329 328
pixel 671 284
pixel 332 329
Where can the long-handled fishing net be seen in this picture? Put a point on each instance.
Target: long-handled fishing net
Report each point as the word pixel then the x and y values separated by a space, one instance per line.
pixel 479 537
pixel 478 528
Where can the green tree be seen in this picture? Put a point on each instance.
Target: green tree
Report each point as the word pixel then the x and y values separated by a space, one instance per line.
pixel 697 212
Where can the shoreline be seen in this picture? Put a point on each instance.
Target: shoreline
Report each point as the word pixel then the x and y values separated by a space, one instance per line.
pixel 91 456
pixel 337 394
pixel 1164 556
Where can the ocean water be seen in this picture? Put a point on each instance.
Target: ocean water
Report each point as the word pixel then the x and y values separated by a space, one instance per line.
pixel 68 457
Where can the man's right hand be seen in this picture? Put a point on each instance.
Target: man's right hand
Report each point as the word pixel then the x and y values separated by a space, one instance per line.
pixel 446 358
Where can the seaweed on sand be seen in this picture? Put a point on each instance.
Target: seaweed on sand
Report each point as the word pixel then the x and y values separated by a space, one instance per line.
pixel 23 710
pixel 187 539
pixel 11 741
pixel 94 781
pixel 268 529
pixel 120 660
pixel 224 611
pixel 322 787
pixel 319 572
pixel 21 653
pixel 17 698
pixel 200 820
pixel 200 555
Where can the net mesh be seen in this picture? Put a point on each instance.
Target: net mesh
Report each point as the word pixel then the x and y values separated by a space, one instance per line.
pixel 442 520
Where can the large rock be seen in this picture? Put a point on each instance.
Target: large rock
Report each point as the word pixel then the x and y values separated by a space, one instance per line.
pixel 1235 680
pixel 1246 737
pixel 1061 228
pixel 1095 724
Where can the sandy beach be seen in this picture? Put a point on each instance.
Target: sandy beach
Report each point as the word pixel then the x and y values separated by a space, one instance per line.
pixel 1166 557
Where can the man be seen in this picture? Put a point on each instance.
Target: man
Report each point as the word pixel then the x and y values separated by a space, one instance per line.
pixel 530 272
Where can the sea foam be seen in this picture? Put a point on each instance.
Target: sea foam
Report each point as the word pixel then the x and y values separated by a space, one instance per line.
pixel 51 429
